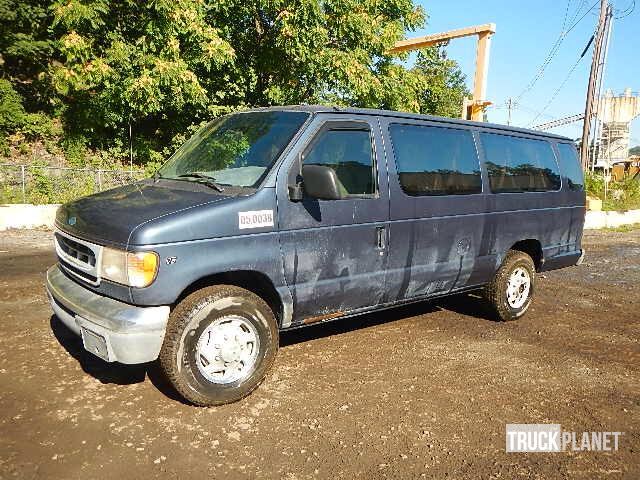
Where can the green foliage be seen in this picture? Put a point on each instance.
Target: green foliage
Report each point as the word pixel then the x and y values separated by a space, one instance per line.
pixel 40 125
pixel 41 190
pixel 444 89
pixel 138 64
pixel 629 191
pixel 27 47
pixel 315 52
pixel 624 195
pixel 594 184
pixel 75 149
pixel 9 194
pixel 158 67
pixel 634 150
pixel 100 74
pixel 45 185
pixel 623 228
pixel 12 114
pixel 13 117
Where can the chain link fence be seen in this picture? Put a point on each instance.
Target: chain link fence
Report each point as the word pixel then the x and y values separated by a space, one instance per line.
pixel 43 184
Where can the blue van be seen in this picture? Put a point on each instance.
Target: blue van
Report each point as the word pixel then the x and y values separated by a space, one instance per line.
pixel 277 218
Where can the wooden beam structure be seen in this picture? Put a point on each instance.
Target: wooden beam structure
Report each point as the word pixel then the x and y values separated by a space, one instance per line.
pixel 473 109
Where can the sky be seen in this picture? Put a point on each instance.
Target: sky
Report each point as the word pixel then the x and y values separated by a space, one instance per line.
pixel 526 32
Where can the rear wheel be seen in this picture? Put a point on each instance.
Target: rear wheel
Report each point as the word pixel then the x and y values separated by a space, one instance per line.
pixel 220 343
pixel 511 290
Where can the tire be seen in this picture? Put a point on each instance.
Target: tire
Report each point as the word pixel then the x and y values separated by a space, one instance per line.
pixel 214 335
pixel 518 265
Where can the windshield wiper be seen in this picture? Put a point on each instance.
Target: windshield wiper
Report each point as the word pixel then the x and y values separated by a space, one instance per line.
pixel 207 180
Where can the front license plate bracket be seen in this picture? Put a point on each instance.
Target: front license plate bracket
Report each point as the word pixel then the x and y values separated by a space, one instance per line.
pixel 95 344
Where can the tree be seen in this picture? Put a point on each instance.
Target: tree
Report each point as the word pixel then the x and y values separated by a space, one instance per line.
pixel 159 66
pixel 11 109
pixel 316 52
pixel 26 49
pixel 444 86
pixel 634 150
pixel 140 63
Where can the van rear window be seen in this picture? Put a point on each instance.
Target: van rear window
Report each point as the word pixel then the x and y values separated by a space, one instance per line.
pixel 571 167
pixel 517 164
pixel 435 160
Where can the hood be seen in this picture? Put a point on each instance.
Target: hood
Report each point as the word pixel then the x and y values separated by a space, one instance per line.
pixel 109 217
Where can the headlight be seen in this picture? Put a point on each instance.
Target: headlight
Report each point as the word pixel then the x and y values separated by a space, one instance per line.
pixel 128 268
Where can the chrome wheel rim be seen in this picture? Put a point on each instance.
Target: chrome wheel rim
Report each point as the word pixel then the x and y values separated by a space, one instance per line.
pixel 227 350
pixel 518 288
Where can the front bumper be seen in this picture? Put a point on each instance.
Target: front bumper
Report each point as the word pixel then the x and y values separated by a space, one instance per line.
pixel 114 331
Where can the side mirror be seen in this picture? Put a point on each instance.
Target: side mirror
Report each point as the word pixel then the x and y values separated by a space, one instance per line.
pixel 321 182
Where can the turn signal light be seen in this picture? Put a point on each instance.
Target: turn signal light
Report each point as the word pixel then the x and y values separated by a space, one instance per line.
pixel 142 268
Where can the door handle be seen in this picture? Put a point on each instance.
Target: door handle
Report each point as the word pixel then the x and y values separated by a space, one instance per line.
pixel 380 237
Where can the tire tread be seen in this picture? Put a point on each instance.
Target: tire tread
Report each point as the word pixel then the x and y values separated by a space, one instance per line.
pixel 494 291
pixel 181 315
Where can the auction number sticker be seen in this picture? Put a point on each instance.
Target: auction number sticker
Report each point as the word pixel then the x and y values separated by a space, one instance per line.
pixel 255 219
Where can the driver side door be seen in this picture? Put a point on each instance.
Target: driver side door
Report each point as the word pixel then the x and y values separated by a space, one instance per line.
pixel 335 251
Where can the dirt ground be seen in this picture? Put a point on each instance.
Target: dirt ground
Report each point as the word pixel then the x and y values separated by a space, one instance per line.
pixel 414 392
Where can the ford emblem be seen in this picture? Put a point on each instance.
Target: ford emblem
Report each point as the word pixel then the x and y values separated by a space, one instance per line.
pixel 72 221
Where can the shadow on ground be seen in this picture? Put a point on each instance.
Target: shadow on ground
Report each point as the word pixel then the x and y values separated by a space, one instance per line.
pixel 115 373
pixel 470 304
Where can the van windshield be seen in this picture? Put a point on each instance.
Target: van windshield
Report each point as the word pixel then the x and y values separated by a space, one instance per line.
pixel 236 150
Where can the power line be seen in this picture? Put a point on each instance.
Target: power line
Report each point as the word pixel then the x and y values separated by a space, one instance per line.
pixel 566 14
pixel 582 17
pixel 528 109
pixel 536 112
pixel 564 82
pixel 556 46
pixel 549 56
pixel 583 3
pixel 627 11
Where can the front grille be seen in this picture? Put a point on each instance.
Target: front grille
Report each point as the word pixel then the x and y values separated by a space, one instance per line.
pixel 76 250
pixel 91 279
pixel 79 257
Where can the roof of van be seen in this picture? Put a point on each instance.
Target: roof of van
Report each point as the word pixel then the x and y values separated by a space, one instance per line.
pixel 417 116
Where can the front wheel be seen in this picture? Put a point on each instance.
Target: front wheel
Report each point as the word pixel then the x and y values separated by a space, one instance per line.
pixel 511 290
pixel 219 345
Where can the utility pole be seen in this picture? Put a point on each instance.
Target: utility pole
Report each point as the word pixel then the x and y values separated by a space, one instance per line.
pixel 510 105
pixel 594 77
pixel 597 135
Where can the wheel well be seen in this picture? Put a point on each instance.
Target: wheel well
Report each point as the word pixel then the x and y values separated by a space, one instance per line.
pixel 531 247
pixel 253 281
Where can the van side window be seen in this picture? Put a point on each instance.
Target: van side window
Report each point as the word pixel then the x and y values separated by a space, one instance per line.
pixel 517 164
pixel 349 153
pixel 571 167
pixel 435 160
